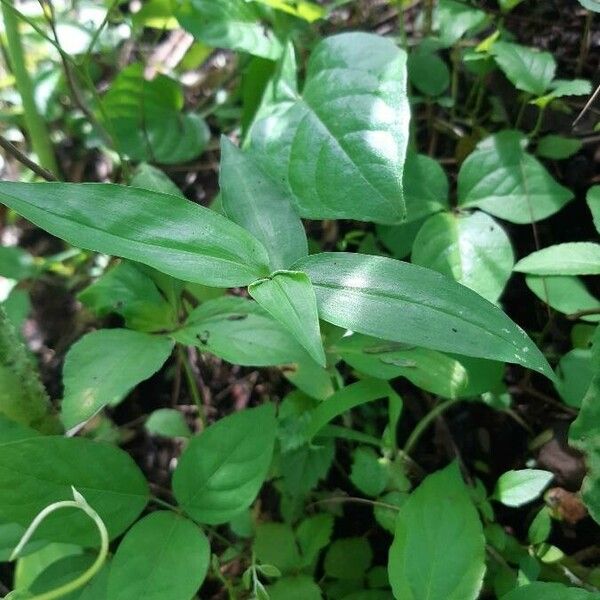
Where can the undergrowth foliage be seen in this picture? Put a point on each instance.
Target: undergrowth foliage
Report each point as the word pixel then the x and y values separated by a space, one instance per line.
pixel 384 203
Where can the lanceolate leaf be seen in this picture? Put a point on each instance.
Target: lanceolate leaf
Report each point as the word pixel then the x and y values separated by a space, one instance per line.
pixel 426 562
pixel 574 258
pixel 163 557
pixel 223 468
pixel 104 366
pixel 397 301
pixel 339 150
pixel 505 181
pixel 168 233
pixel 473 249
pixel 253 201
pixel 233 24
pixel 290 298
pixel 38 471
pixel 593 201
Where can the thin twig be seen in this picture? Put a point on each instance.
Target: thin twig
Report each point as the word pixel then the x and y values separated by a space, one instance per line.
pixel 353 500
pixel 25 160
pixel 583 313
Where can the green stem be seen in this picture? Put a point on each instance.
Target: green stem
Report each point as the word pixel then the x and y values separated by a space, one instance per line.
pixel 538 123
pixel 191 382
pixel 69 587
pixel 521 113
pixel 424 423
pixel 34 123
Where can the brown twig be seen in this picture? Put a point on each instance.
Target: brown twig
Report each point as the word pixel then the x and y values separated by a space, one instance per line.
pixel 25 160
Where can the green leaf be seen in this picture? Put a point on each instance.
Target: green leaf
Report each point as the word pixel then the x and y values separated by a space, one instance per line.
pixel 473 249
pixel 309 11
pixel 399 239
pixel 558 147
pixel 584 434
pixel 593 201
pixel 428 72
pixel 172 235
pixel 348 558
pixel 549 591
pixel 148 177
pixel 355 394
pixel 573 258
pixel 314 534
pixel 540 527
pixel 567 295
pixel 36 472
pixel 15 263
pixel 425 562
pixel 508 5
pixel 104 366
pixel 500 178
pixel 299 587
pixel 240 332
pixel 167 422
pixel 233 24
pixel 146 122
pixel 253 201
pixel 275 544
pixel 455 19
pixel 392 300
pixel 528 69
pixel 369 473
pixel 440 374
pixel 129 292
pixel 163 557
pixel 338 151
pixel 515 488
pixel 575 372
pixel 561 88
pixel 222 469
pixel 304 467
pixel 290 299
pixel 593 5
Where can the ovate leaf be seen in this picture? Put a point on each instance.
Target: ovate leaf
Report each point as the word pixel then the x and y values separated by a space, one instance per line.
pixel 253 201
pixel 299 587
pixel 104 366
pixel 234 24
pixel 348 558
pixel 593 201
pixel 515 488
pixel 427 71
pixel 549 591
pixel 167 422
pixel 567 295
pixel 421 565
pixel 163 557
pixel 168 233
pixel 128 291
pixel 36 472
pixel 573 258
pixel 455 19
pixel 223 468
pixel 528 69
pixel 146 122
pixel 240 332
pixel 338 151
pixel 558 147
pixel 507 182
pixel 393 300
pixel 290 298
pixel 473 249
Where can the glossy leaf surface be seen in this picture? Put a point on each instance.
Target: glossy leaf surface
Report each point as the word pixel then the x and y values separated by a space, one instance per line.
pixel 168 233
pixel 393 300
pixel 338 151
pixel 290 299
pixel 573 258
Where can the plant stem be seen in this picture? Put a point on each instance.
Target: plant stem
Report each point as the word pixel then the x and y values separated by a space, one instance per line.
pixel 538 123
pixel 424 423
pixel 34 123
pixel 25 160
pixel 191 383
